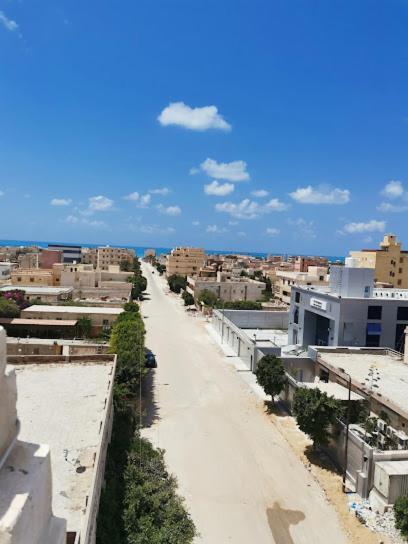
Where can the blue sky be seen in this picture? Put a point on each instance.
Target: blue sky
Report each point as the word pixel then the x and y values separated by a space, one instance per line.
pixel 254 125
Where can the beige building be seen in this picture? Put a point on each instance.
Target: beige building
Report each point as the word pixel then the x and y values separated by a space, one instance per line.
pixel 48 295
pixel 226 288
pixel 105 256
pixel 316 275
pixel 34 276
pixel 185 261
pixel 389 262
pixel 101 318
pixel 26 509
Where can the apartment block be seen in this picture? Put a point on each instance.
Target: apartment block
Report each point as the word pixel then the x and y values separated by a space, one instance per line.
pixel 185 261
pixel 105 256
pixel 49 257
pixel 285 280
pixel 226 288
pixel 34 276
pixel 70 253
pixel 390 262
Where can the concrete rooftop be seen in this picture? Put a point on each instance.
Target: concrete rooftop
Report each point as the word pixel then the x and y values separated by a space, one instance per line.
pixel 37 289
pixel 278 337
pixel 393 383
pixel 62 405
pixel 44 308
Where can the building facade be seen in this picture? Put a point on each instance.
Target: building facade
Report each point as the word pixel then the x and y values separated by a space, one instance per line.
pixel 70 253
pixel 185 261
pixel 350 312
pixel 226 288
pixel 105 256
pixel 390 262
pixel 285 280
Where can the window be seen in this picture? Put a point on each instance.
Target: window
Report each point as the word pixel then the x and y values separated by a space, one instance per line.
pixel 374 312
pixel 296 316
pixel 399 282
pixel 297 297
pixel 402 313
pixel 400 270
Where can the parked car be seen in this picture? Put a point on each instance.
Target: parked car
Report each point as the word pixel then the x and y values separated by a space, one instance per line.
pixel 150 359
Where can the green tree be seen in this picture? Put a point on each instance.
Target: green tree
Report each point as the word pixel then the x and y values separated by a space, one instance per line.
pixel 401 515
pixel 177 283
pixel 8 308
pixel 238 305
pixel 207 297
pixel 154 513
pixel 315 412
pixel 271 375
pixel 131 307
pixel 188 298
pixel 125 266
pixel 84 327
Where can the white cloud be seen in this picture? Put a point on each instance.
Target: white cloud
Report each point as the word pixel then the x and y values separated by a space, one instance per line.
pixel 9 24
pixel 370 226
pixel 75 220
pixel 320 195
pixel 155 229
pixel 233 223
pixel 393 189
pixel 61 201
pixel 242 234
pixel 230 171
pixel 100 203
pixel 144 201
pixel 260 193
pixel 215 229
pixel 303 228
pixel 218 189
pixel 133 196
pixel 249 209
pixel 386 207
pixel 275 205
pixel 163 191
pixel 205 118
pixel 272 231
pixel 1 193
pixel 195 223
pixel 169 210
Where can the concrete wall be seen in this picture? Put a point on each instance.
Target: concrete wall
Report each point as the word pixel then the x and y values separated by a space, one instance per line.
pixel 257 319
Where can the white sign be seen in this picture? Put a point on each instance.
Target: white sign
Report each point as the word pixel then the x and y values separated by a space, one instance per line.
pixel 319 304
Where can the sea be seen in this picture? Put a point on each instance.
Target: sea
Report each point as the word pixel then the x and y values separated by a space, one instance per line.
pixel 159 250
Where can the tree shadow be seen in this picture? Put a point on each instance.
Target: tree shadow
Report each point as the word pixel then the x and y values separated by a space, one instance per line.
pixel 320 457
pixel 280 520
pixel 276 408
pixel 150 406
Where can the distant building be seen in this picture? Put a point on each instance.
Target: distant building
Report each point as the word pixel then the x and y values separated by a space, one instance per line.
pixel 390 263
pixel 33 276
pixel 49 257
pixel 70 253
pixel 285 280
pixel 105 256
pixel 185 261
pixel 49 295
pixel 5 271
pixel 302 263
pixel 349 312
pixel 226 288
pixel 101 318
pixel 149 253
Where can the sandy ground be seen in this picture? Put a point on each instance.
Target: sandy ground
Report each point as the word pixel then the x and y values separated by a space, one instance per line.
pixel 241 480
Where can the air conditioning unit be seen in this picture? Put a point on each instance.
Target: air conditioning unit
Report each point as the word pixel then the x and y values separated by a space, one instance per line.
pixel 390 432
pixel 382 426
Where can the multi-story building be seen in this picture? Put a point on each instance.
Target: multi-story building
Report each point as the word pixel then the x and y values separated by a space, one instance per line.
pixel 49 257
pixel 185 261
pixel 390 263
pixel 226 288
pixel 101 318
pixel 70 253
pixel 28 260
pixel 34 276
pixel 302 263
pixel 349 312
pixel 285 280
pixel 105 256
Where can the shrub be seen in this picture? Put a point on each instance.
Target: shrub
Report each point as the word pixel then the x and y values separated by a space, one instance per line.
pixel 270 374
pixel 401 515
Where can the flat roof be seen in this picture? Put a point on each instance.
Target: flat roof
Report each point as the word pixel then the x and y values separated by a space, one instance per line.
pixel 393 373
pixel 332 389
pixel 33 289
pixel 62 405
pixel 43 322
pixel 44 308
pixel 265 337
pixel 53 341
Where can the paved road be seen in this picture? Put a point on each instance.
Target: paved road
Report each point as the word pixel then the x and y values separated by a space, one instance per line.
pixel 241 481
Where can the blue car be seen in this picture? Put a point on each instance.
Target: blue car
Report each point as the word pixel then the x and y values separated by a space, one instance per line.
pixel 150 359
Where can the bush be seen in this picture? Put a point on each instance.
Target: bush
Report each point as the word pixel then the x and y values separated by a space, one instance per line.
pixel 239 305
pixel 177 283
pixel 315 412
pixel 8 308
pixel 131 307
pixel 207 297
pixel 153 513
pixel 401 515
pixel 271 375
pixel 188 298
